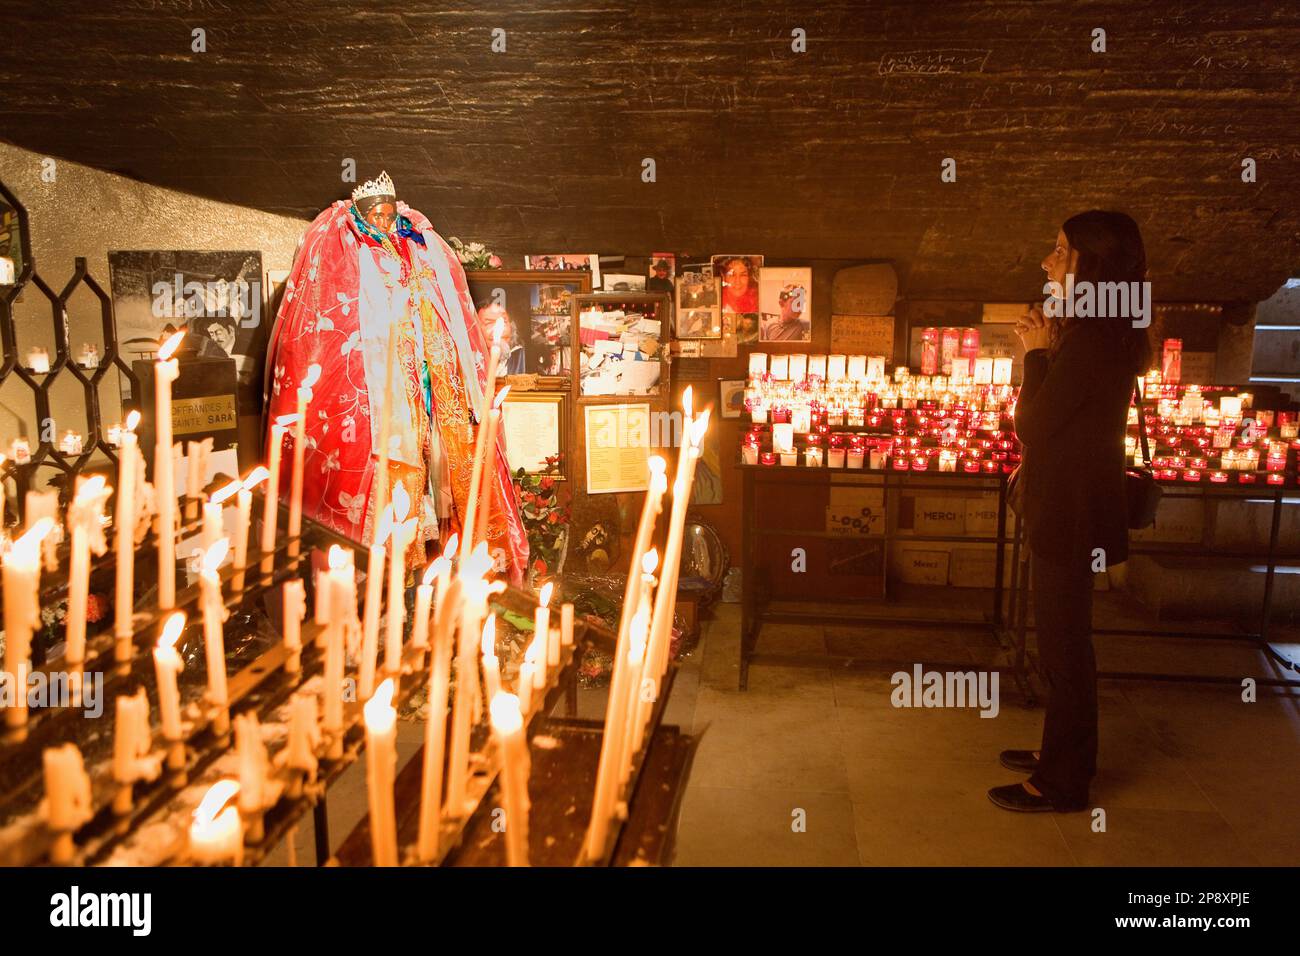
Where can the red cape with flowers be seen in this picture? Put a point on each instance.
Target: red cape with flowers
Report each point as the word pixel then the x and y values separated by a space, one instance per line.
pixel 335 314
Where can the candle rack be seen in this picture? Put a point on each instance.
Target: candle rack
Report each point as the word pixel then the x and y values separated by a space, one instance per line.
pixel 46 453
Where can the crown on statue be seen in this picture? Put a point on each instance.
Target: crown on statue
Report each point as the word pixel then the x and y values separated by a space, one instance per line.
pixel 383 186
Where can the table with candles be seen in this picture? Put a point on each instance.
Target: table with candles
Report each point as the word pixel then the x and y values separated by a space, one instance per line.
pixel 237 695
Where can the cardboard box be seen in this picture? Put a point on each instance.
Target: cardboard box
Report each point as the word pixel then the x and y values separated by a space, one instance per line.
pixel 974 566
pixel 916 564
pixel 855 511
pixel 982 514
pixel 937 515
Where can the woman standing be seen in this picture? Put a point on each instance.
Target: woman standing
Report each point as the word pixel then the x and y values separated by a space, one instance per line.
pixel 1071 418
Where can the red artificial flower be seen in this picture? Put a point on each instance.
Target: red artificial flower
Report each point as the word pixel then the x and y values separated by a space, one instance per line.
pixel 548 484
pixel 539 566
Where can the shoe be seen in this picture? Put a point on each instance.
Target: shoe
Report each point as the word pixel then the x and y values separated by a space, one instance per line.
pixel 1015 797
pixel 1021 761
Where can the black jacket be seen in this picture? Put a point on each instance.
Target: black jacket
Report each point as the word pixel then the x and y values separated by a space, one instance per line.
pixel 1071 419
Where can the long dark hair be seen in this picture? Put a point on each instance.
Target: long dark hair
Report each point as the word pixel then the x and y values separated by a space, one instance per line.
pixel 1110 249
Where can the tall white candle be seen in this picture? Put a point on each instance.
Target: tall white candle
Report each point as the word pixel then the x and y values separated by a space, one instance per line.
pixel 22 614
pixel 213 512
pixel 254 764
pixel 85 521
pixel 243 518
pixel 566 625
pixel 480 444
pixel 167 664
pixel 508 728
pixel 271 507
pixel 299 453
pixel 214 642
pixel 304 734
pixel 124 539
pixel 342 583
pixel 374 599
pixel 381 771
pixel 435 739
pixel 474 591
pixel 542 626
pixel 131 746
pixel 491 664
pixel 423 604
pixel 403 534
pixel 67 798
pixel 166 371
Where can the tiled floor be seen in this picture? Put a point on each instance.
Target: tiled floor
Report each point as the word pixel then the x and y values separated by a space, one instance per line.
pixel 813 766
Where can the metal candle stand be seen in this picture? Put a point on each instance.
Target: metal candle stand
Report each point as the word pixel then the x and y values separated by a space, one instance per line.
pixel 46 453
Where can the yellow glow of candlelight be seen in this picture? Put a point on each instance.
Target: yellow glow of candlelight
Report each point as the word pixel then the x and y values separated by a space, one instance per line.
pixel 488 643
pixel 168 348
pixel 26 549
pixel 222 494
pixel 132 420
pixel 501 397
pixel 448 551
pixel 477 565
pixel 657 465
pixel 90 488
pixel 338 557
pixel 171 632
pixel 504 710
pixel 213 557
pixel 379 711
pixel 649 561
pixel 256 477
pixel 434 569
pixel 687 399
pixel 545 597
pixel 498 330
pixel 699 427
pixel 218 795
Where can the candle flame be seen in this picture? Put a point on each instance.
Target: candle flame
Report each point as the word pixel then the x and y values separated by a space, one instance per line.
pixel 218 795
pixel 168 348
pixel 650 561
pixel 545 598
pixel 284 421
pixel 687 399
pixel 312 376
pixel 432 571
pixel 27 547
pixel 219 496
pixel 501 397
pixel 132 420
pixel 450 550
pixel 488 644
pixel 657 465
pixel 90 488
pixel 171 632
pixel 256 477
pixel 504 711
pixel 498 330
pixel 699 427
pixel 401 502
pixel 338 557
pixel 379 711
pixel 213 557
pixel 477 565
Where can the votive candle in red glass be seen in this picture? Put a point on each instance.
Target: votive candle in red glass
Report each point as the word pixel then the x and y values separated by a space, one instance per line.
pixel 1276 478
pixel 989 467
pixel 1218 477
pixel 899 462
pixel 920 463
pixel 1191 474
pixel 1245 477
pixel 970 466
pixel 767 458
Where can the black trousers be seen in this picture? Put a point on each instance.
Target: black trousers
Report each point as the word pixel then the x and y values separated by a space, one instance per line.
pixel 1063 615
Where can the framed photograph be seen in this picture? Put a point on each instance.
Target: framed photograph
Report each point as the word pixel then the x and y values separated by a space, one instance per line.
pixel 739 277
pixel 536 427
pixel 539 313
pixel 621 344
pixel 785 304
pixel 731 397
pixel 216 296
pixel 617 442
pixel 698 313
pixel 662 271
pixel 566 262
pixel 619 282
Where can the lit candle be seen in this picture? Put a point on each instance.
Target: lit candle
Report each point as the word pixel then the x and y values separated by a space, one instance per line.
pixel 213 510
pixel 89 356
pixel 22 615
pixel 71 443
pixel 295 609
pixel 214 642
pixel 1002 371
pixel 480 446
pixel 491 664
pixel 381 773
pixel 20 451
pixel 374 598
pixel 124 534
pixel 67 799
pixel 435 739
pixel 271 508
pixel 508 729
pixel 244 518
pixel 542 626
pixel 474 592
pixel 255 790
pixel 757 364
pixel 403 534
pixel 38 361
pixel 423 602
pixel 167 664
pixel 85 521
pixel 342 584
pixel 216 834
pixel 166 371
pixel 299 451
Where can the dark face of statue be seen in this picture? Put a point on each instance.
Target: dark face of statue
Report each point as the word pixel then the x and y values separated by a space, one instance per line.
pixel 382 215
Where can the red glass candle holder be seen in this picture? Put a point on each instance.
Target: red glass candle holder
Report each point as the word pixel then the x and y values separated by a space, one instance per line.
pixel 989 467
pixel 767 458
pixel 1191 474
pixel 1245 478
pixel 1218 477
pixel 1276 478
pixel 899 463
pixel 970 466
pixel 920 463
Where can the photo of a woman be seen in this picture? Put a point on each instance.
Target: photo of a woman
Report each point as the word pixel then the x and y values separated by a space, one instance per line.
pixel 739 276
pixel 1071 419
